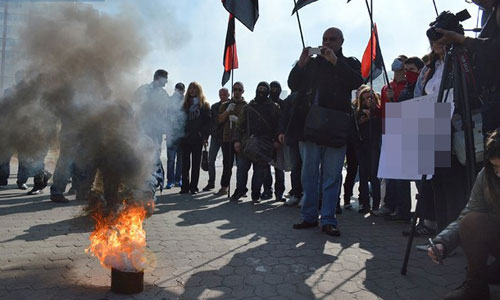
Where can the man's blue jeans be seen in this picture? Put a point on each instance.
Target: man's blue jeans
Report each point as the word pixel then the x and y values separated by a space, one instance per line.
pixel 174 176
pixel 330 160
pixel 212 157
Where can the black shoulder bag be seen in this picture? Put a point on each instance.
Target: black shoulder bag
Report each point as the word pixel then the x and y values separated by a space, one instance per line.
pixel 258 149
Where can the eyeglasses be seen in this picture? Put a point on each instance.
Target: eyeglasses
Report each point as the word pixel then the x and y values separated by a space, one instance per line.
pixel 238 90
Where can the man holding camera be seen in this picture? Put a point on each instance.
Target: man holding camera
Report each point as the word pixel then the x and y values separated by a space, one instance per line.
pixel 321 116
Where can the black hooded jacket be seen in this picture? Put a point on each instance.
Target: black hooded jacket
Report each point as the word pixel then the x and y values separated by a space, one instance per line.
pixel 259 118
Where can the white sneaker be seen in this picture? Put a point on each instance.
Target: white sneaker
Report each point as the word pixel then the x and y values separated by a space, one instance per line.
pixel 301 202
pixel 292 201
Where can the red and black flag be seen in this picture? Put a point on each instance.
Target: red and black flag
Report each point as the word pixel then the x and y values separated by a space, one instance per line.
pixel 371 65
pixel 230 59
pixel 301 3
pixel 246 11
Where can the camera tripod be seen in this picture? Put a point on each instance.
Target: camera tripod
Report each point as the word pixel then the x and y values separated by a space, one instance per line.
pixel 457 73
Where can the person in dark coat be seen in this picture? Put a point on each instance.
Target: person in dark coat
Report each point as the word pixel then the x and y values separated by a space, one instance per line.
pixel 259 119
pixel 196 132
pixel 326 81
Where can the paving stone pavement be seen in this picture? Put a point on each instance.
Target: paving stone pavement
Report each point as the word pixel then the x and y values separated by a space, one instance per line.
pixel 207 248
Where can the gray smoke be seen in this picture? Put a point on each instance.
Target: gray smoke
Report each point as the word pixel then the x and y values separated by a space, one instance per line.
pixel 78 64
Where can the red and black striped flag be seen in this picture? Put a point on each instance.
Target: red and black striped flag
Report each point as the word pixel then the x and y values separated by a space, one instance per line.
pixel 371 65
pixel 230 59
pixel 246 11
pixel 301 3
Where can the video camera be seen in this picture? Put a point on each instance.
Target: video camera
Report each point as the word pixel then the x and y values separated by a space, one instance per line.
pixel 447 21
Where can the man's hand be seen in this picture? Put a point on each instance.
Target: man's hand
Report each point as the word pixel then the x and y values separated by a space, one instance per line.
pixel 450 37
pixel 233 119
pixel 281 138
pixel 304 57
pixel 329 55
pixel 230 107
pixel 431 254
pixel 237 147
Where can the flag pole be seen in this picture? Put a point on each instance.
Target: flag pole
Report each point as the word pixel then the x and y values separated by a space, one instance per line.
pixel 230 123
pixel 300 25
pixel 378 44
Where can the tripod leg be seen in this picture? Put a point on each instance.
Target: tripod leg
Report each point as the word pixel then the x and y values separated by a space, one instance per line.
pixel 409 244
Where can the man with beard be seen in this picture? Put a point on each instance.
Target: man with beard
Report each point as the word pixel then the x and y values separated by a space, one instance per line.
pixel 279 184
pixel 258 119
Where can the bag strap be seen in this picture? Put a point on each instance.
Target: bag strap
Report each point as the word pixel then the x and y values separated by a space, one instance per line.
pixel 259 115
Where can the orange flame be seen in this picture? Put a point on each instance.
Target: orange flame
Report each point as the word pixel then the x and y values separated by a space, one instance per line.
pixel 119 241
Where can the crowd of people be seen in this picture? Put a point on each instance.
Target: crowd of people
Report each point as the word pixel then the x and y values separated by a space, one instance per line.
pixel 322 129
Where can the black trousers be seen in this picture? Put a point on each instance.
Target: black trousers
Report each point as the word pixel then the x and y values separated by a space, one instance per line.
pixel 352 170
pixel 191 159
pixel 228 157
pixel 279 181
pixel 368 156
pixel 450 194
pixel 295 175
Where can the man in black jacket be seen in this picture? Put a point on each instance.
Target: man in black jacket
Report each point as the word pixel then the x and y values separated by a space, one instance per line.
pixel 259 119
pixel 326 81
pixel 279 183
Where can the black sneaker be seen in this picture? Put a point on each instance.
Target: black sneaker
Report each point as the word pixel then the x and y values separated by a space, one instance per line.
pixel 397 218
pixel 279 198
pixel 266 195
pixel 22 186
pixel 209 187
pixel 59 199
pixel 330 230
pixel 470 289
pixel 364 209
pixel 184 191
pixel 305 225
pixel 255 201
pixel 237 195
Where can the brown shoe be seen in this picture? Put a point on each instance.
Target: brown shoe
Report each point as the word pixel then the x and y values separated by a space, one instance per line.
pixel 59 199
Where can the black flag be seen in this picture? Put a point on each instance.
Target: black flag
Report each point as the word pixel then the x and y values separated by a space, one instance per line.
pixel 230 59
pixel 246 11
pixel 302 3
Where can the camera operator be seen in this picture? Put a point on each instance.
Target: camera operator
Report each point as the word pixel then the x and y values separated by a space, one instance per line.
pixel 486 60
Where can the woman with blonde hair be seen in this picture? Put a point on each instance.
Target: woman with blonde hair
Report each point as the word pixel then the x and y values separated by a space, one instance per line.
pixel 368 116
pixel 196 131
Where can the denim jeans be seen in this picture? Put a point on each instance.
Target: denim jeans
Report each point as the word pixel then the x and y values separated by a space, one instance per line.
pixel 65 167
pixel 174 169
pixel 242 176
pixel 22 170
pixel 330 160
pixel 212 156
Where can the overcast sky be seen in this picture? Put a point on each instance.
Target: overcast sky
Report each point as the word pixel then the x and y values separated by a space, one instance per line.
pixel 187 36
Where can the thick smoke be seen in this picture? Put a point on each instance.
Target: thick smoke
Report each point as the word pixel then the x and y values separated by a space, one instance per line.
pixel 78 68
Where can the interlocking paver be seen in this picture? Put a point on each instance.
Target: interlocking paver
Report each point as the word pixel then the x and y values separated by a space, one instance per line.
pixel 208 248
